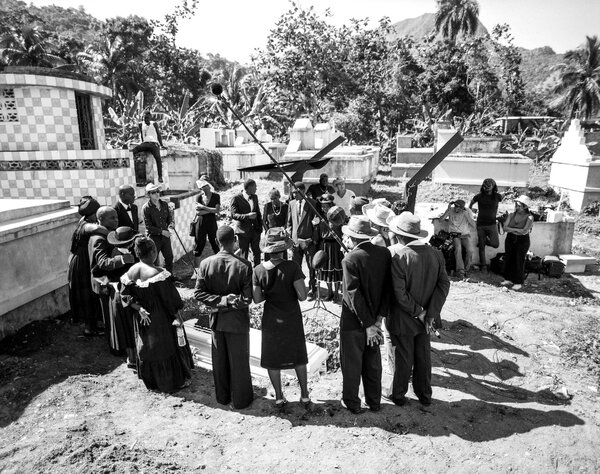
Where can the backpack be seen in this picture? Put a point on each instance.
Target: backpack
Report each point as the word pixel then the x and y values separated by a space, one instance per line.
pixel 553 266
pixel 497 264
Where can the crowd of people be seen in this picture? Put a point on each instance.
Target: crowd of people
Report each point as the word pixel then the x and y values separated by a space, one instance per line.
pixel 371 256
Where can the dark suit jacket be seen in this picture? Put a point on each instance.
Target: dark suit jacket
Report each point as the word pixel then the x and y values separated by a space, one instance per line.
pixel 420 282
pixel 221 275
pixel 124 219
pixel 102 263
pixel 366 286
pixel 301 226
pixel 240 208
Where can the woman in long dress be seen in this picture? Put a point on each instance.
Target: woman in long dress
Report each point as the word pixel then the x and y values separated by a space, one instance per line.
pixel 280 284
pixel 208 206
pixel 164 359
pixel 331 273
pixel 85 304
pixel 517 227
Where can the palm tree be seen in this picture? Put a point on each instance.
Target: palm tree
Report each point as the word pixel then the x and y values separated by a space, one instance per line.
pixel 27 46
pixel 456 16
pixel 579 86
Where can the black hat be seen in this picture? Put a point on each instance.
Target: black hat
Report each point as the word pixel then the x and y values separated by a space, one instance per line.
pixel 88 207
pixel 122 236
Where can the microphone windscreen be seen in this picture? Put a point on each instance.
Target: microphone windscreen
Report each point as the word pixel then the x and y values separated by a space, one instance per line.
pixel 319 259
pixel 217 89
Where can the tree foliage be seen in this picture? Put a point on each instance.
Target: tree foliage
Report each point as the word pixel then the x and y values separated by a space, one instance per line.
pixel 579 86
pixel 454 17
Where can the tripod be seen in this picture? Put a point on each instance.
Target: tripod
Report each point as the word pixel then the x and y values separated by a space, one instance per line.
pixel 319 303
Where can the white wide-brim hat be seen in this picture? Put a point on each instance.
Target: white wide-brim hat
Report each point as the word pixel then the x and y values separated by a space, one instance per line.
pixel 407 224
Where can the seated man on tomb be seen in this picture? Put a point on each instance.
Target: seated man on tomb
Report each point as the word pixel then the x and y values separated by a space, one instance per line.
pixel 460 223
pixel 151 139
pixel 158 222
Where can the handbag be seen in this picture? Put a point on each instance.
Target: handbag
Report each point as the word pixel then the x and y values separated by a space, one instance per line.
pixel 195 222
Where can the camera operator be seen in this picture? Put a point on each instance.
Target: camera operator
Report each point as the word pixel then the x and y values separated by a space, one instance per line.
pixel 460 223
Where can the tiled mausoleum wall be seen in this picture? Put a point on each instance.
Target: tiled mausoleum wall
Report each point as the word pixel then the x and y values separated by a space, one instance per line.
pixel 43 112
pixel 65 174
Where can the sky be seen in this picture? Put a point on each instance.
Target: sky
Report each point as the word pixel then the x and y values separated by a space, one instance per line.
pixel 235 28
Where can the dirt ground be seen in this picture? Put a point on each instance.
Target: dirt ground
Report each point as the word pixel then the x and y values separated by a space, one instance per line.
pixel 516 389
pixel 506 398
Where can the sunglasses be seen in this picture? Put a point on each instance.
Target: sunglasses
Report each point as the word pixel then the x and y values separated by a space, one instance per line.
pixel 152 192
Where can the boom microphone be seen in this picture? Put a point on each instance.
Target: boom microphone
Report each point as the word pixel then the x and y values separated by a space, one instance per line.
pixel 217 89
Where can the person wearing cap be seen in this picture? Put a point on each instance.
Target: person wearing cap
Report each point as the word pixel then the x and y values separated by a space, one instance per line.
pixel 302 225
pixel 107 267
pixel 420 287
pixel 158 220
pixel 460 222
pixel 127 211
pixel 331 271
pixel 280 284
pixel 224 284
pixel 517 226
pixel 342 197
pixel 322 187
pixel 366 279
pixel 85 304
pixel 487 201
pixel 247 220
pixel 208 206
pixel 164 359
pixel 151 139
pixel 378 214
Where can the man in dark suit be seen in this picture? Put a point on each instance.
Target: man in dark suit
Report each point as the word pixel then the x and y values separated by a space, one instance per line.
pixel 247 220
pixel 365 303
pixel 420 288
pixel 106 268
pixel 127 211
pixel 225 285
pixel 303 227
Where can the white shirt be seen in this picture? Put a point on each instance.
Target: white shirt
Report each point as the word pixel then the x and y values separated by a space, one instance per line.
pixel 149 132
pixel 250 201
pixel 344 202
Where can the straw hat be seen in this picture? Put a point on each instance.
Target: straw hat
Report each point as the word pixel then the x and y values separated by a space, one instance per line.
pixel 275 240
pixel 359 227
pixel 122 236
pixel 382 202
pixel 377 213
pixel 526 201
pixel 407 224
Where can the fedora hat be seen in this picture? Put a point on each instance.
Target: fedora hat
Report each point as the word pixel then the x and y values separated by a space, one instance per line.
pixel 122 236
pixel 382 202
pixel 407 224
pixel 523 199
pixel 275 240
pixel 359 227
pixel 377 213
pixel 151 187
pixel 336 215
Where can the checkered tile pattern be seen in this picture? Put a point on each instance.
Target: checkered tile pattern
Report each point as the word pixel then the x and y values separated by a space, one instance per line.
pixel 98 123
pixel 47 121
pixel 182 217
pixel 66 184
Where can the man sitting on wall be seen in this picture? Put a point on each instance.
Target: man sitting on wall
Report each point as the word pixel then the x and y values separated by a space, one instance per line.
pixel 460 223
pixel 151 139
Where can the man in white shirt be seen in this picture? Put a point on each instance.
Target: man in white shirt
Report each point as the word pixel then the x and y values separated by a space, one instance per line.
pixel 151 140
pixel 342 197
pixel 460 223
